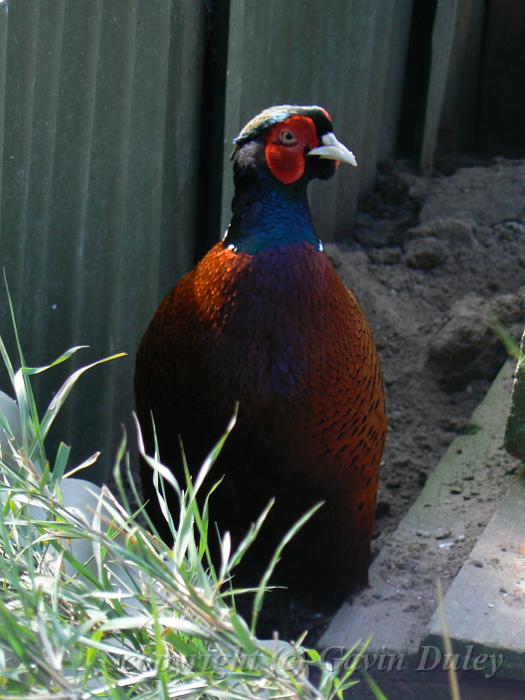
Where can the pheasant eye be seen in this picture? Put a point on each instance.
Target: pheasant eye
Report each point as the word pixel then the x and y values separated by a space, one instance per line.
pixel 287 138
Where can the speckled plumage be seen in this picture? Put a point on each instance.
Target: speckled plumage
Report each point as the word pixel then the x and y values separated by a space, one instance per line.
pixel 276 330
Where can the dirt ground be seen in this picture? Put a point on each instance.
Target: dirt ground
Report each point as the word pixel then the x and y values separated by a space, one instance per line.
pixel 434 261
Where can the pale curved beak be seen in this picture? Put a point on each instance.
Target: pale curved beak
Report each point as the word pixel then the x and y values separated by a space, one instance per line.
pixel 332 149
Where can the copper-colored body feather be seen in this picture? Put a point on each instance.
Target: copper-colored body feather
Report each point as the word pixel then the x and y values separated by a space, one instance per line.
pixel 278 332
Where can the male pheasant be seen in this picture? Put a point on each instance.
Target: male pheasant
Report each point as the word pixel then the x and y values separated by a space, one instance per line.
pixel 264 320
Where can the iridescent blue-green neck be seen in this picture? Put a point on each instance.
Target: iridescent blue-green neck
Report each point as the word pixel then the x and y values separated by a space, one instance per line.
pixel 268 214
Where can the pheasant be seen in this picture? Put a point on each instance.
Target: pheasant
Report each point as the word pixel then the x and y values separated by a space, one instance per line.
pixel 264 320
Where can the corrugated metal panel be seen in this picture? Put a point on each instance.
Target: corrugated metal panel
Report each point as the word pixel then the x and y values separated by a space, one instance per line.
pixel 382 33
pixel 502 84
pixel 3 100
pixel 483 108
pixel 100 156
pixel 461 107
pixel 305 51
pixel 442 45
pixel 395 79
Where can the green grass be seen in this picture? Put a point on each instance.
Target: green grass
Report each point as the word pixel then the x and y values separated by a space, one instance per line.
pixel 94 604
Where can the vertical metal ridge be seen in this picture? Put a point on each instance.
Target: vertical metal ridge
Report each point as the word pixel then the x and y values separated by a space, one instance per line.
pixel 442 43
pixel 79 262
pixel 186 151
pixel 233 99
pixel 49 53
pixel 29 142
pixel 358 60
pixel 119 257
pixel 3 101
pixel 87 148
pixel 382 39
pixel 158 166
pixel 400 31
pixel 214 58
pixel 20 82
pixel 118 318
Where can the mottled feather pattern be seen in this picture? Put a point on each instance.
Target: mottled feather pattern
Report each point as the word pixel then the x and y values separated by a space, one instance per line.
pixel 306 374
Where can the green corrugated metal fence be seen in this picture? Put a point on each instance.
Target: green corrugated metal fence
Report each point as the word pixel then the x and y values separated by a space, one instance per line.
pixel 100 142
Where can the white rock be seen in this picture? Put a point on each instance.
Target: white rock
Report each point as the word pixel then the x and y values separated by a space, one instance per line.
pixel 9 410
pixel 79 496
pixel 86 501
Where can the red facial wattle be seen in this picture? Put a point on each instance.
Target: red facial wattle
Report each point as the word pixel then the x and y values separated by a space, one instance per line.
pixel 287 162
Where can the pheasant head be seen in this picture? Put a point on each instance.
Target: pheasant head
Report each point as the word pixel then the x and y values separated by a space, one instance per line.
pixel 275 156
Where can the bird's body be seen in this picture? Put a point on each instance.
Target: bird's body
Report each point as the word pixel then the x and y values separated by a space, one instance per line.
pixel 265 321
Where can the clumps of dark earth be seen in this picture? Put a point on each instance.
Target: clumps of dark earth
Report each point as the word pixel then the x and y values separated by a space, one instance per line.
pixel 437 262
